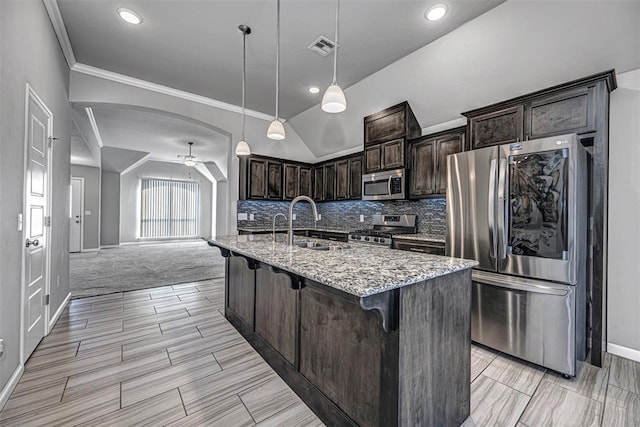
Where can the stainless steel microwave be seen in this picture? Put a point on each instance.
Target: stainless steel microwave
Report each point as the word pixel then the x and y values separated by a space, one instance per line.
pixel 387 185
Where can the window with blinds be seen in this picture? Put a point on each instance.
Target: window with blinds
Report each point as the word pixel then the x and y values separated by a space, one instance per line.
pixel 169 208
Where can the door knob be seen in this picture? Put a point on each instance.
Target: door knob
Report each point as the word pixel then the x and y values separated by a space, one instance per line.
pixel 33 242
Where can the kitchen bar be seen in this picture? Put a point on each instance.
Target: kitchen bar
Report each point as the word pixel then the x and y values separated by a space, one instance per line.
pixel 364 335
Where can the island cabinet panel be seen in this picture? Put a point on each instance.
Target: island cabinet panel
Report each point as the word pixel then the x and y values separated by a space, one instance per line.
pixel 291 182
pixel 276 311
pixel 241 283
pixel 435 383
pixel 497 127
pixel 355 177
pixel 304 182
pixel 318 183
pixel 572 111
pixel 341 353
pixel 342 179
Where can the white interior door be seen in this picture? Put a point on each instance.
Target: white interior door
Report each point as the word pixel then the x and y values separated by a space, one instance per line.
pixel 35 246
pixel 75 226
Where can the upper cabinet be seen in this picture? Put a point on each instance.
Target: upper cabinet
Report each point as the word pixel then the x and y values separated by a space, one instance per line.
pixel 385 136
pixel 355 177
pixel 569 108
pixel 428 154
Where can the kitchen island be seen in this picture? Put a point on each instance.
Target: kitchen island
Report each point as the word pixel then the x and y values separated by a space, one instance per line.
pixel 364 335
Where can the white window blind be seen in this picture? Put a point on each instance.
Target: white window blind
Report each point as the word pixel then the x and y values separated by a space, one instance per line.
pixel 169 208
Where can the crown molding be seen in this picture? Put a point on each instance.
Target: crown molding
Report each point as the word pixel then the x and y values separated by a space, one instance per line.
pixel 61 31
pixel 154 87
pixel 94 126
pixel 136 164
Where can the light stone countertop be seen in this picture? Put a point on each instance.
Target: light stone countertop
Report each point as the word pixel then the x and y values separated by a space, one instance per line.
pixel 359 270
pixel 420 237
pixel 280 229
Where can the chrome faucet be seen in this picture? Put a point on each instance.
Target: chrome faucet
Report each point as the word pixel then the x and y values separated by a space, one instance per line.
pixel 273 230
pixel 291 205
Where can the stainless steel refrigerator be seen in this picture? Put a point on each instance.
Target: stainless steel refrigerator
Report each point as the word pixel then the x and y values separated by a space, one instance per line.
pixel 520 210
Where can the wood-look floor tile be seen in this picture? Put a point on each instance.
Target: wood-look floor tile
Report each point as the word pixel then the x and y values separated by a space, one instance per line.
pixel 99 298
pixel 515 373
pixel 172 293
pixel 73 412
pixel 199 304
pixel 210 390
pixel 159 342
pixel 81 334
pixel 187 285
pixel 590 381
pixel 206 345
pixel 494 404
pixel 118 339
pixel 211 286
pixel 120 315
pixel 89 315
pixel 115 373
pixel 27 399
pixel 268 399
pixel 154 319
pixel 69 326
pixel 193 320
pixel 52 354
pixel 554 405
pixel 229 412
pixel 621 409
pixel 158 410
pixel 201 296
pixel 479 362
pixel 295 415
pixel 625 374
pixel 154 383
pixel 236 354
pixel 71 366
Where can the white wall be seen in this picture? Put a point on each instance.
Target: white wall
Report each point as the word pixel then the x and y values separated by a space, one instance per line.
pixel 110 209
pixel 623 299
pixel 130 196
pixel 90 89
pixel 29 53
pixel 516 48
pixel 91 225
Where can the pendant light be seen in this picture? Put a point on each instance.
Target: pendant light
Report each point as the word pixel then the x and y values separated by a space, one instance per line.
pixel 334 100
pixel 242 149
pixel 276 128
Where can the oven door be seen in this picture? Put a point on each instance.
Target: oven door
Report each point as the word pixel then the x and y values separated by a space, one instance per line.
pixel 388 185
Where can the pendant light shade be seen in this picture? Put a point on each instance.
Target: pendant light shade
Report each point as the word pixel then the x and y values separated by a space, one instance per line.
pixel 276 128
pixel 334 100
pixel 242 149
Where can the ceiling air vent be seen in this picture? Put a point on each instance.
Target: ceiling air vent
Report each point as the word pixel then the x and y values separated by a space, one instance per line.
pixel 322 46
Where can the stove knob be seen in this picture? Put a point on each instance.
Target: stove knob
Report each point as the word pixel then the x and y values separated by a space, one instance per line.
pixel 375 239
pixel 366 238
pixel 382 240
pixel 352 237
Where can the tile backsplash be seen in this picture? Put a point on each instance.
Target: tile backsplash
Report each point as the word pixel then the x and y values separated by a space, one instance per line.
pixel 346 214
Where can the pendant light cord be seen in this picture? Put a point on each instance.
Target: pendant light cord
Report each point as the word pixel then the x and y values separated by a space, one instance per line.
pixel 244 68
pixel 277 57
pixel 335 51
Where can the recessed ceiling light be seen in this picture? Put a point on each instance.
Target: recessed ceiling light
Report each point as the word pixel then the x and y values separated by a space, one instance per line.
pixel 130 16
pixel 436 13
pixel 314 89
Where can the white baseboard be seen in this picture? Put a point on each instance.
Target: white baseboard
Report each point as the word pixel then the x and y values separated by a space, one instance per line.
pixel 626 352
pixel 56 316
pixel 11 385
pixel 91 250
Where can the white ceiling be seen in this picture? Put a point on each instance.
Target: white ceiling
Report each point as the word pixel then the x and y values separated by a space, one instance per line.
pixel 195 46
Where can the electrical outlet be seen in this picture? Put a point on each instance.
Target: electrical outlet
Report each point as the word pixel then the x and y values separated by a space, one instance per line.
pixel 1 348
pixel 294 217
pixel 242 216
pixel 361 218
pixel 319 217
pixel 251 217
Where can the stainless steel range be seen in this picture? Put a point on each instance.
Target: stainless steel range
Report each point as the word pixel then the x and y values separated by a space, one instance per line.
pixel 384 227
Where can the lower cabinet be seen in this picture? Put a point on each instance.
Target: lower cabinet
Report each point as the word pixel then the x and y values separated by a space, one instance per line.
pixel 433 248
pixel 276 311
pixel 241 287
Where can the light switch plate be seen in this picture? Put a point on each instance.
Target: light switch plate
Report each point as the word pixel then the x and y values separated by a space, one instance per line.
pixel 242 216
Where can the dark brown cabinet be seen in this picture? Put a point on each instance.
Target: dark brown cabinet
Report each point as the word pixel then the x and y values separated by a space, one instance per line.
pixel 274 180
pixel 355 177
pixel 385 156
pixel 318 183
pixel 342 179
pixel 257 179
pixel 304 181
pixel 428 174
pixel 264 179
pixel 497 127
pixel 291 181
pixel 329 188
pixel 373 159
pixel 394 122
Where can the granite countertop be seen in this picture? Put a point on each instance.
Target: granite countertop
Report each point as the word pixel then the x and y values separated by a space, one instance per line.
pixel 280 228
pixel 420 237
pixel 359 270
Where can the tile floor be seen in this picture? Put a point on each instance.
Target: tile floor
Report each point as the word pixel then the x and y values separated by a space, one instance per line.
pixel 167 356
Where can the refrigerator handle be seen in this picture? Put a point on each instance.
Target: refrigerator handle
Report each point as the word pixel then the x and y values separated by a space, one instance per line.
pixel 492 208
pixel 502 229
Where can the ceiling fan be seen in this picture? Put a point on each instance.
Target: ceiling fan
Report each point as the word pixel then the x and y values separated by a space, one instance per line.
pixel 189 159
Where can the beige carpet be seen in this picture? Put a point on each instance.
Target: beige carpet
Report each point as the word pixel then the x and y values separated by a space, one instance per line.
pixel 128 268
